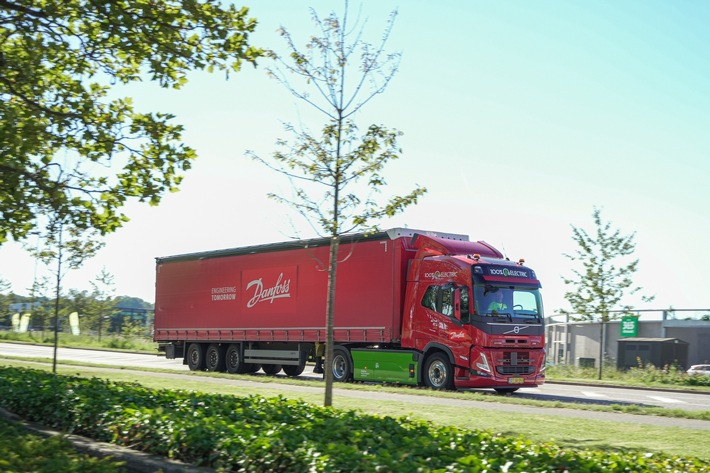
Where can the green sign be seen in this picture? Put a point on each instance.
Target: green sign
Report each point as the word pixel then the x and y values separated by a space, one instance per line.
pixel 629 326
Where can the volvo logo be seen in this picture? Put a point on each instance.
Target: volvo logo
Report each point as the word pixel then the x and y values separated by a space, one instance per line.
pixel 516 329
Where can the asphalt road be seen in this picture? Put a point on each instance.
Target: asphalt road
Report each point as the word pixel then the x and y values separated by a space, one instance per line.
pixel 552 391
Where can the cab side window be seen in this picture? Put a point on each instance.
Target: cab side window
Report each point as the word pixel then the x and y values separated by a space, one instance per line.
pixel 440 299
pixel 430 297
pixel 447 301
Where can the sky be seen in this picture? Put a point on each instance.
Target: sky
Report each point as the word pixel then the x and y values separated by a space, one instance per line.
pixel 518 117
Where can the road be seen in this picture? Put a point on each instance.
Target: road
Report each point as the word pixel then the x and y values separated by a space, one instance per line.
pixel 552 391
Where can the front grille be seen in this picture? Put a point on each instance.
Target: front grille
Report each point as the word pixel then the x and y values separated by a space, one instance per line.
pixel 508 370
pixel 513 362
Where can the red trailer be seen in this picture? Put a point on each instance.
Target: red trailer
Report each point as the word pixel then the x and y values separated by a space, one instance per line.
pixel 411 306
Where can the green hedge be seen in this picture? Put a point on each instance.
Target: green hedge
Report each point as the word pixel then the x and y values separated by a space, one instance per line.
pixel 275 434
pixel 22 451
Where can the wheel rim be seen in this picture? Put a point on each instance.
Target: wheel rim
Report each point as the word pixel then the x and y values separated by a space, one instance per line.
pixel 194 356
pixel 233 359
pixel 339 367
pixel 437 373
pixel 212 358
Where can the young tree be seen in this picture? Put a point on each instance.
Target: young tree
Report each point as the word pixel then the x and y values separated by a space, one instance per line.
pixel 63 139
pixel 38 304
pixel 337 175
pixel 605 277
pixel 104 303
pixel 64 244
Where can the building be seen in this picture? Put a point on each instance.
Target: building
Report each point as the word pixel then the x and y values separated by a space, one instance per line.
pixel 570 342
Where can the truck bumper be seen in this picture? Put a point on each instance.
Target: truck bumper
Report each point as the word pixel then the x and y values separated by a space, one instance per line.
pixel 502 368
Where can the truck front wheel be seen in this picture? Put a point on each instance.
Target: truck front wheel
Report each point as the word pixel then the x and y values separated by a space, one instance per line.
pixel 196 357
pixel 214 358
pixel 342 367
pixel 438 373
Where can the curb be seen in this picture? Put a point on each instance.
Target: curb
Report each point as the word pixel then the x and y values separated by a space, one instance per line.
pixel 135 461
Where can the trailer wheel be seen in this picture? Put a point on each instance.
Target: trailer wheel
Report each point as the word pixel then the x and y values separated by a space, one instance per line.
pixel 214 358
pixel 438 373
pixel 294 370
pixel 271 369
pixel 233 360
pixel 342 367
pixel 196 357
pixel 505 390
pixel 252 368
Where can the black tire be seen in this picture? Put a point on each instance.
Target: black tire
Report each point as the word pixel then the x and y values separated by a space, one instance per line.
pixel 505 390
pixel 252 368
pixel 233 360
pixel 214 358
pixel 271 369
pixel 196 357
pixel 294 370
pixel 341 367
pixel 438 372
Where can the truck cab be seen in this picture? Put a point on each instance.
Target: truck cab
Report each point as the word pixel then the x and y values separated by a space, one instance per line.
pixel 476 317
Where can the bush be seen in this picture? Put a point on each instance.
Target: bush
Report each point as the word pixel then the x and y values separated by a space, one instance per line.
pixel 275 434
pixel 21 451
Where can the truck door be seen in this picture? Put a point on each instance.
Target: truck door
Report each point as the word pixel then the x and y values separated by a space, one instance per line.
pixel 442 303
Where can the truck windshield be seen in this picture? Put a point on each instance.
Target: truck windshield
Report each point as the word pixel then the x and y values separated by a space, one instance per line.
pixel 509 303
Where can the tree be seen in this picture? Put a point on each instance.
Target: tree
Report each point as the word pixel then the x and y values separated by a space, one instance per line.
pixel 330 172
pixel 104 304
pixel 605 277
pixel 70 248
pixel 62 138
pixel 38 304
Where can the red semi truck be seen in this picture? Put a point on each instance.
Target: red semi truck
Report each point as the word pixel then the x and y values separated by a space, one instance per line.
pixel 412 307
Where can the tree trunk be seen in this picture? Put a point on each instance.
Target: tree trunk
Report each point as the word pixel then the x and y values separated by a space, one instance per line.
pixel 329 322
pixel 56 301
pixel 601 347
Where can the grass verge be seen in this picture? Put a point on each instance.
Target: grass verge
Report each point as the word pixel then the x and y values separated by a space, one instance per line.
pixel 108 342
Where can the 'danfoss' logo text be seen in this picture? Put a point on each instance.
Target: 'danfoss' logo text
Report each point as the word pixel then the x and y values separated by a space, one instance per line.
pixel 281 289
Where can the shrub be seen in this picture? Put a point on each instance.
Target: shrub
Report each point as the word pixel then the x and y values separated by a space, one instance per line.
pixel 22 451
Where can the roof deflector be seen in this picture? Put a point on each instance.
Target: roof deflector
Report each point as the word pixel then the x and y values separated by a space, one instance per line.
pixel 435 246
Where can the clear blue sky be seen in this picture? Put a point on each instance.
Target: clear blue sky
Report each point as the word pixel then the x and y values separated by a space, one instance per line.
pixel 519 117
